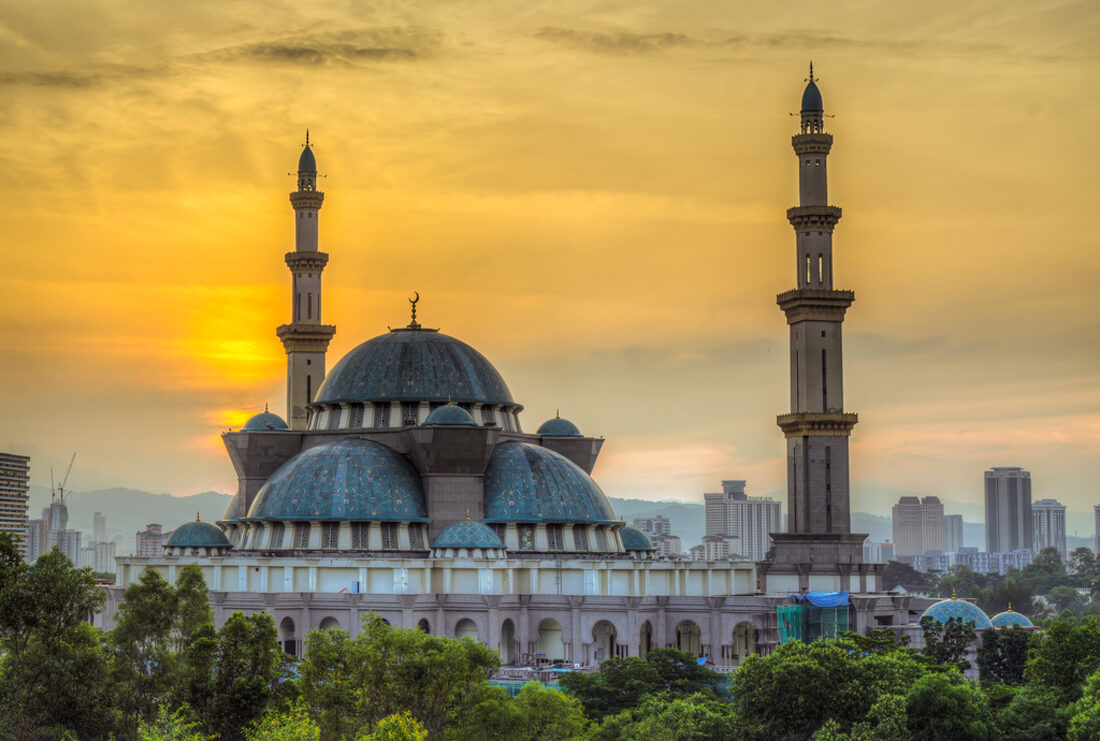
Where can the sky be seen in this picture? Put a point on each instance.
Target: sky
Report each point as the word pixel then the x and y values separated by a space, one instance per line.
pixel 592 194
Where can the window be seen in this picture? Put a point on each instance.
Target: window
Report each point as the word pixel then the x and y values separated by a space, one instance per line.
pixel 334 418
pixel 416 537
pixel 301 535
pixel 487 417
pixel 408 414
pixel 580 538
pixel 591 582
pixel 382 415
pixel 359 532
pixel 554 537
pixel 277 535
pixel 309 389
pixel 820 267
pixel 330 533
pixel 309 306
pixel 356 417
pixel 601 539
pixel 400 581
pixel 824 384
pixel 389 536
pixel 527 537
pixel 828 490
pixel 485 581
pixel 807 268
pixel 500 530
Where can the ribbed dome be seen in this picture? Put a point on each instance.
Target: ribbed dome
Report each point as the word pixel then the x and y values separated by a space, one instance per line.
pixel 811 98
pixel 231 510
pixel 450 414
pixel 1008 618
pixel 265 421
pixel 558 427
pixel 467 534
pixel 635 540
pixel 350 479
pixel 307 162
pixel 529 483
pixel 197 534
pixel 414 365
pixel 959 609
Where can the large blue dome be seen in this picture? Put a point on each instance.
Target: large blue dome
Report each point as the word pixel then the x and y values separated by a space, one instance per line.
pixel 414 365
pixel 959 609
pixel 811 98
pixel 350 479
pixel 197 534
pixel 529 483
pixel 1008 618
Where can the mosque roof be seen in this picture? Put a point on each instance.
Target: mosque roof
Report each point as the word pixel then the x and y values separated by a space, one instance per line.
pixel 414 365
pixel 468 534
pixel 265 420
pixel 558 427
pixel 635 540
pixel 1008 618
pixel 450 414
pixel 197 534
pixel 811 98
pixel 307 162
pixel 529 483
pixel 959 609
pixel 231 510
pixel 349 479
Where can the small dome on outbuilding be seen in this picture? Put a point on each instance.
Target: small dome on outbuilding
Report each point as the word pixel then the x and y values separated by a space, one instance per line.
pixel 1009 618
pixel 468 534
pixel 197 534
pixel 811 98
pixel 265 420
pixel 558 427
pixel 450 414
pixel 959 609
pixel 635 540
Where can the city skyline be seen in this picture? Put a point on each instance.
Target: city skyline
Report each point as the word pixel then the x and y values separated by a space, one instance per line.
pixel 668 170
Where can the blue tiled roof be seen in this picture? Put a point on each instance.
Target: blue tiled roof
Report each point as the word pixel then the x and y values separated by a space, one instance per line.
pixel 450 414
pixel 1008 618
pixel 959 609
pixel 231 511
pixel 635 540
pixel 467 534
pixel 414 365
pixel 265 421
pixel 811 99
pixel 197 534
pixel 349 479
pixel 558 427
pixel 307 162
pixel 529 483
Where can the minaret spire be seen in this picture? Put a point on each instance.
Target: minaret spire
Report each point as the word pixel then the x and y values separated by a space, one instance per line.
pixel 305 339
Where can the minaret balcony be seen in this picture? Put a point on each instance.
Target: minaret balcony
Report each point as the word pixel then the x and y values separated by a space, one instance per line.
pixel 813 218
pixel 305 337
pixel 307 199
pixel 815 304
pixel 828 424
pixel 815 143
pixel 306 262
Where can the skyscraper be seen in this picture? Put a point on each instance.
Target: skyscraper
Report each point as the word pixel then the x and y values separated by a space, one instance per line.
pixel 1008 522
pixel 918 525
pixel 952 533
pixel 1096 527
pixel 99 528
pixel 1049 519
pixel 749 519
pixel 15 474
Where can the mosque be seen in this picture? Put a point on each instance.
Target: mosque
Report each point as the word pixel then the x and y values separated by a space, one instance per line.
pixel 402 482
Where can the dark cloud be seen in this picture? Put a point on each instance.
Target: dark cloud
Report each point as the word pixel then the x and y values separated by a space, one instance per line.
pixel 620 42
pixel 341 48
pixel 70 79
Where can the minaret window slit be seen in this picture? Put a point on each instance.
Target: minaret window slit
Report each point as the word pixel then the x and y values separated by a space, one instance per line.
pixel 824 384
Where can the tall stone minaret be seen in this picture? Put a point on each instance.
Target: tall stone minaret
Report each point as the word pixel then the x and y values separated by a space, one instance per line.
pixel 817 429
pixel 305 338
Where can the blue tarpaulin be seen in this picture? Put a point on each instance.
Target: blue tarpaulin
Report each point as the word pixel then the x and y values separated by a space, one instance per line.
pixel 823 599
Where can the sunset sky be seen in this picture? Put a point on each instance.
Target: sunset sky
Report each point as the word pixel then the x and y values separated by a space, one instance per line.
pixel 590 193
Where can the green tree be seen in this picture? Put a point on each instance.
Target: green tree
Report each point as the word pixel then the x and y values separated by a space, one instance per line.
pixel 887 720
pixel 1003 655
pixel 663 718
pixel 1083 563
pixel 1085 724
pixel 947 642
pixel 178 725
pixel 1066 598
pixel 397 727
pixel 897 574
pixel 1066 654
pixel 292 724
pixel 943 705
pixel 1034 714
pixel 249 663
pixel 1004 594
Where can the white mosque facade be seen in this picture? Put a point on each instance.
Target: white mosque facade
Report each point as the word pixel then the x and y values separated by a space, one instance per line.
pixel 402 483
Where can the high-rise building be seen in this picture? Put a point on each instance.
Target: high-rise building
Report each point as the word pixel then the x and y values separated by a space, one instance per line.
pixel 667 545
pixel 933 524
pixel 1049 519
pixel 952 533
pixel 657 525
pixel 918 526
pixel 1008 522
pixel 99 528
pixel 36 539
pixel 15 477
pixel 716 548
pixel 751 520
pixel 105 556
pixel 68 542
pixel 87 556
pixel 1096 527
pixel 150 542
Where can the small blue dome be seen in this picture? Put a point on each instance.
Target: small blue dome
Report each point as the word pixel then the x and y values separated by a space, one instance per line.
pixel 450 414
pixel 197 534
pixel 635 540
pixel 468 534
pixel 959 609
pixel 811 98
pixel 349 479
pixel 265 421
pixel 1008 618
pixel 530 483
pixel 558 427
pixel 307 162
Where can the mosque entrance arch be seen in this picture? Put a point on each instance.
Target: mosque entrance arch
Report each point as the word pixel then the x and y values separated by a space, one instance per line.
pixel 507 642
pixel 466 628
pixel 424 626
pixel 550 643
pixel 604 641
pixel 330 623
pixel 286 636
pixel 744 641
pixel 645 638
pixel 689 638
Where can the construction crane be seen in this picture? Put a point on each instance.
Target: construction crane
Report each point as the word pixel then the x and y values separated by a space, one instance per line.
pixel 59 493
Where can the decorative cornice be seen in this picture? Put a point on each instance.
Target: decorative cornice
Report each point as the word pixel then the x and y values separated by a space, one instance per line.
pixel 306 262
pixel 819 143
pixel 830 424
pixel 813 218
pixel 307 199
pixel 811 304
pixel 305 337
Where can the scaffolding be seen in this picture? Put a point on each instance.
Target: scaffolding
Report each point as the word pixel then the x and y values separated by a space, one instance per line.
pixel 807 623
